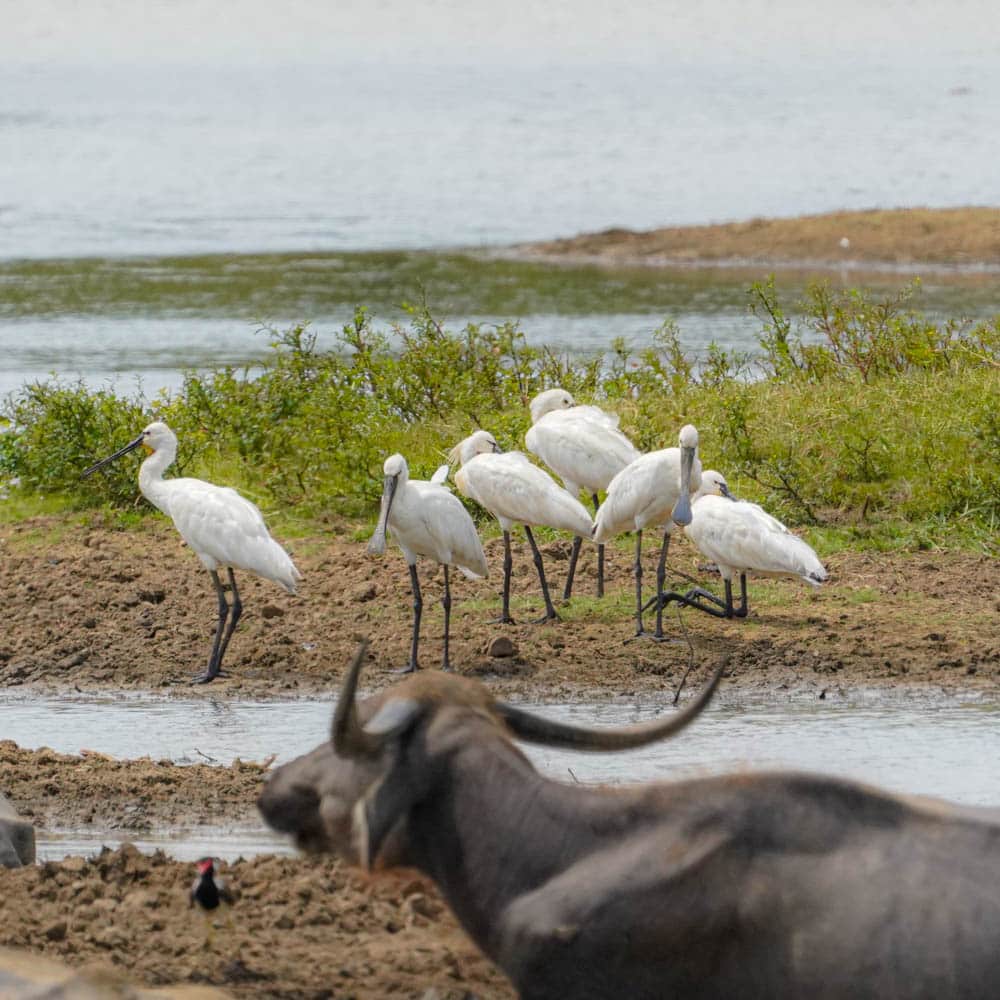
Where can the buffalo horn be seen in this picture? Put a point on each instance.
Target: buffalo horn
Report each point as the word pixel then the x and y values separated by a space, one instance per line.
pixel 346 734
pixel 534 729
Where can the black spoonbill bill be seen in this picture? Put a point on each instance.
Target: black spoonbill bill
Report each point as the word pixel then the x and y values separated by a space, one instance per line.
pixel 426 519
pixel 514 490
pixel 222 528
pixel 653 490
pixel 741 537
pixel 583 446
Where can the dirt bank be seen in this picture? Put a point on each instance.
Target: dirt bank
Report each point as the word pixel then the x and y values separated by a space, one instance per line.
pixel 89 609
pixel 934 237
pixel 301 928
pixel 73 792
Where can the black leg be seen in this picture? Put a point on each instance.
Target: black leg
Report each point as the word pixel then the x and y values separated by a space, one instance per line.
pixel 550 612
pixel 702 600
pixel 213 661
pixel 235 613
pixel 418 607
pixel 573 556
pixel 661 576
pixel 508 562
pixel 600 553
pixel 638 583
pixel 741 611
pixel 446 604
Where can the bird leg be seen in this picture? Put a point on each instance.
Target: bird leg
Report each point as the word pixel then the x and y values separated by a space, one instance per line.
pixel 550 612
pixel 661 576
pixel 573 556
pixel 600 553
pixel 508 563
pixel 235 613
pixel 703 600
pixel 418 607
pixel 213 661
pixel 638 583
pixel 446 604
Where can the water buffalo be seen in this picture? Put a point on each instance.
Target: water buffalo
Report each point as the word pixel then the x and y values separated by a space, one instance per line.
pixel 762 885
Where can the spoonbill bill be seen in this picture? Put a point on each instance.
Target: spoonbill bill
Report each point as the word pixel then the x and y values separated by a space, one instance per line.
pixel 514 490
pixel 426 519
pixel 653 490
pixel 583 446
pixel 222 527
pixel 741 537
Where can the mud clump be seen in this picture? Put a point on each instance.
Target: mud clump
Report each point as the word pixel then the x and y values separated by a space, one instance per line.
pixel 299 928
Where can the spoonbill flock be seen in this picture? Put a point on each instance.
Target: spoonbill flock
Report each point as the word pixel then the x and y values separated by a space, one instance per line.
pixel 223 529
pixel 581 444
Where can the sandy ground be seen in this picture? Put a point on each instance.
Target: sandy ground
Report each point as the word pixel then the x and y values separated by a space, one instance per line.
pixel 952 237
pixel 89 609
pixel 301 928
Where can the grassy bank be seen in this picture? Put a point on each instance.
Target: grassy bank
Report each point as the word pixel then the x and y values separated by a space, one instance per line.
pixel 860 418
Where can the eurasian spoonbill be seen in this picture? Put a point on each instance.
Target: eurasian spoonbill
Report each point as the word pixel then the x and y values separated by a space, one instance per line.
pixel 584 447
pixel 222 528
pixel 741 537
pixel 513 490
pixel 426 519
pixel 653 490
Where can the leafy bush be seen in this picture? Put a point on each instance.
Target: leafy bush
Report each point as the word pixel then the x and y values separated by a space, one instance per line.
pixel 859 412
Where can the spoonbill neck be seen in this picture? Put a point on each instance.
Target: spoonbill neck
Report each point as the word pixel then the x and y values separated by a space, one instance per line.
pixel 151 482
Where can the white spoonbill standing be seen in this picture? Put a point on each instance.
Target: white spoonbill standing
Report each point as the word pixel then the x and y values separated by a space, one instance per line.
pixel 741 537
pixel 222 527
pixel 514 490
pixel 583 446
pixel 653 490
pixel 426 519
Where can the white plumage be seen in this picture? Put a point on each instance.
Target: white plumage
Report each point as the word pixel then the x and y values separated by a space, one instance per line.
pixel 741 537
pixel 428 520
pixel 653 490
pixel 514 490
pixel 584 447
pixel 224 529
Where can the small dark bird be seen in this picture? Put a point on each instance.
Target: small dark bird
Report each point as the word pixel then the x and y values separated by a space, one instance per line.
pixel 209 893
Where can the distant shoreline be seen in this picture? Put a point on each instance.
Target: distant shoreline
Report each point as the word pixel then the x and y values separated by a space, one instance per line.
pixel 916 240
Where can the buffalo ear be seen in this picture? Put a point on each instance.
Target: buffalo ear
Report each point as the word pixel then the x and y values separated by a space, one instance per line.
pixel 393 717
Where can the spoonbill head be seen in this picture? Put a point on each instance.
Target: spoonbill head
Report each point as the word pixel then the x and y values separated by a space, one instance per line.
pixel 221 527
pixel 584 447
pixel 653 490
pixel 428 520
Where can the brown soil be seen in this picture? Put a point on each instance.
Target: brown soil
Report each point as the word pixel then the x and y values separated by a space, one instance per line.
pixel 91 609
pixel 72 792
pixel 300 928
pixel 902 237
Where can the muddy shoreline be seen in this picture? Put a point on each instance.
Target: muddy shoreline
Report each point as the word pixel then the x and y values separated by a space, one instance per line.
pixel 93 610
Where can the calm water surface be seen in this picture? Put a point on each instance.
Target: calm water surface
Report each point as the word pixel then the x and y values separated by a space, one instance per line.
pixel 946 751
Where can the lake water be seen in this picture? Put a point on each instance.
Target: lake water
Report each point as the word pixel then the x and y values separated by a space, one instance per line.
pixel 947 750
pixel 182 128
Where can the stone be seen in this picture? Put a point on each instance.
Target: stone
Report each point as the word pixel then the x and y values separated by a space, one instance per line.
pixel 501 648
pixel 17 837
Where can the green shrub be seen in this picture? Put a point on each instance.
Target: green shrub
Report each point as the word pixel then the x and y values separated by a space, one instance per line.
pixel 860 413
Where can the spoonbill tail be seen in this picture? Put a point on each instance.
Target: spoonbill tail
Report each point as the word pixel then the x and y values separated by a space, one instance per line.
pixel 222 527
pixel 741 537
pixel 514 490
pixel 653 490
pixel 426 519
pixel 583 446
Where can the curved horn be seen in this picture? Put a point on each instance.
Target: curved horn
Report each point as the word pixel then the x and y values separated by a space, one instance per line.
pixel 534 729
pixel 346 734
